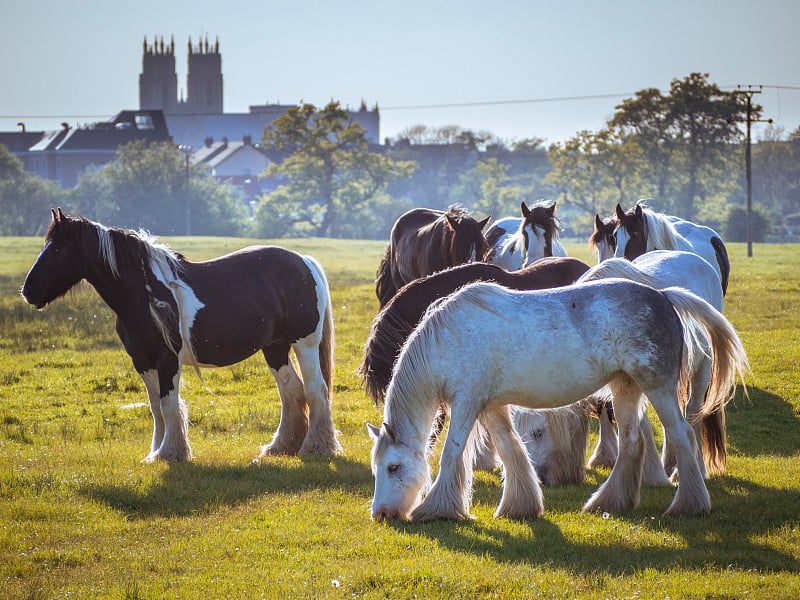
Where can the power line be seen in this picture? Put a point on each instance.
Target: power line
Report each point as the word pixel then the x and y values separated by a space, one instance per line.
pixel 501 102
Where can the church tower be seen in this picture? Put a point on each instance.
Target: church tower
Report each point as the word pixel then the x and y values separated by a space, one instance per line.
pixel 158 83
pixel 204 79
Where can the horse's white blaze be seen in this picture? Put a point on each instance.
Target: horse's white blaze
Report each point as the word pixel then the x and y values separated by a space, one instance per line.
pixel 604 250
pixel 622 241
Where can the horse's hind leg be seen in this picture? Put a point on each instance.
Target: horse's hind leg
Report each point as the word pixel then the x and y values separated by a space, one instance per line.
pixel 692 495
pixel 522 494
pixel 293 425
pixel 652 471
pixel 321 436
pixel 620 491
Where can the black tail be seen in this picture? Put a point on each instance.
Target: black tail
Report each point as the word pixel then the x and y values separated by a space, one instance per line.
pixel 384 284
pixel 722 260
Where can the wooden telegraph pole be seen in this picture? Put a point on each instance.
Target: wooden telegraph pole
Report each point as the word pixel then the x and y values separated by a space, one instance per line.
pixel 749 93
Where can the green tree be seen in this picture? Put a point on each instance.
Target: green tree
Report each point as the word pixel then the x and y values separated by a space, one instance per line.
pixel 152 187
pixel 734 224
pixel 688 138
pixel 497 197
pixel 25 200
pixel 330 180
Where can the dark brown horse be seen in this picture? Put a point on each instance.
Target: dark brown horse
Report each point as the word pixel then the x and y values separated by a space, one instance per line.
pixel 392 326
pixel 424 241
pixel 171 312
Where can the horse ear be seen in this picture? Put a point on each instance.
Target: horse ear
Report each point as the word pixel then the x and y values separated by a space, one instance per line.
pixel 60 214
pixel 390 432
pixel 451 221
pixel 485 222
pixel 551 210
pixel 638 210
pixel 620 212
pixel 373 431
pixel 598 222
pixel 525 210
pixel 55 216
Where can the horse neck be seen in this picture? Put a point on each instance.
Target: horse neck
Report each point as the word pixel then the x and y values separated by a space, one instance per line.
pixel 117 291
pixel 409 408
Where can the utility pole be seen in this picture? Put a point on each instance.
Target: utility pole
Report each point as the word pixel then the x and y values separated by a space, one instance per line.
pixel 749 93
pixel 187 152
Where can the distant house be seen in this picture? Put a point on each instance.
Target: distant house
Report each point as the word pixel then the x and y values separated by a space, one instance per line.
pixel 62 154
pixel 239 163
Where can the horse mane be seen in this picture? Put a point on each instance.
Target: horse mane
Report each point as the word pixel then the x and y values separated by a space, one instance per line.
pixel 568 427
pixel 659 230
pixel 413 391
pixel 126 250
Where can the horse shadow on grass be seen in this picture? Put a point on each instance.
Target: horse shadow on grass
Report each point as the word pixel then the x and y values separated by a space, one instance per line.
pixel 732 536
pixel 763 424
pixel 192 488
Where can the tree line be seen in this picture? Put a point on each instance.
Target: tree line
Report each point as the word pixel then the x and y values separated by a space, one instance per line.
pixel 683 150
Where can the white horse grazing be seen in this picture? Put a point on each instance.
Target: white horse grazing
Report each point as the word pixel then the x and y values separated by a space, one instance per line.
pixel 515 242
pixel 641 230
pixel 466 353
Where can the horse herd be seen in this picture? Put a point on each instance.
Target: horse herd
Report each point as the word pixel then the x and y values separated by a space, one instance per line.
pixel 496 327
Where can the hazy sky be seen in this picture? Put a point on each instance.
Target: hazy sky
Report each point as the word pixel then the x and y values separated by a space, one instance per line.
pixel 79 60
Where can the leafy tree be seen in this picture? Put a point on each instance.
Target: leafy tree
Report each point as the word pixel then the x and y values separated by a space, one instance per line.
pixel 151 186
pixel 687 138
pixel 331 180
pixel 734 223
pixel 497 197
pixel 25 200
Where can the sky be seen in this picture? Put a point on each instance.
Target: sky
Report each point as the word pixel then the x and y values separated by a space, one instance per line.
pixel 525 68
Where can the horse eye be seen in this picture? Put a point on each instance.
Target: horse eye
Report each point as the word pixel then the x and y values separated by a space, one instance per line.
pixel 537 433
pixel 393 468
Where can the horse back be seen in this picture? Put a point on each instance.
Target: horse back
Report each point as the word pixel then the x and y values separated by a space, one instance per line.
pixel 251 298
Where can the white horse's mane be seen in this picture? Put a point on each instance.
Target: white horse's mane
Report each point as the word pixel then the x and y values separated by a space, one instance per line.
pixel 661 233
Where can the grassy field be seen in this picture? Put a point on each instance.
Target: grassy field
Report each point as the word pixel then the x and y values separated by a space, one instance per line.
pixel 82 517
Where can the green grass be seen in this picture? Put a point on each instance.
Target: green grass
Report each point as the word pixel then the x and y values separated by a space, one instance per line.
pixel 81 516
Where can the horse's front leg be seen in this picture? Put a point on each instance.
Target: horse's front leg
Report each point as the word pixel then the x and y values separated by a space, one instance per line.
pixel 150 379
pixel 451 494
pixel 293 425
pixel 522 494
pixel 605 453
pixel 175 437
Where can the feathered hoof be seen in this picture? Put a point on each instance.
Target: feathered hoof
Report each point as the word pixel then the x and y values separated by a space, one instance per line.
pixel 519 513
pixel 281 447
pixel 607 504
pixel 421 513
pixel 328 445
pixel 177 456
pixel 687 509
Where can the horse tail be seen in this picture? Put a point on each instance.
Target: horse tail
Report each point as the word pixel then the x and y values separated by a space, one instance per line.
pixel 713 439
pixel 723 262
pixel 326 345
pixel 385 288
pixel 729 360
